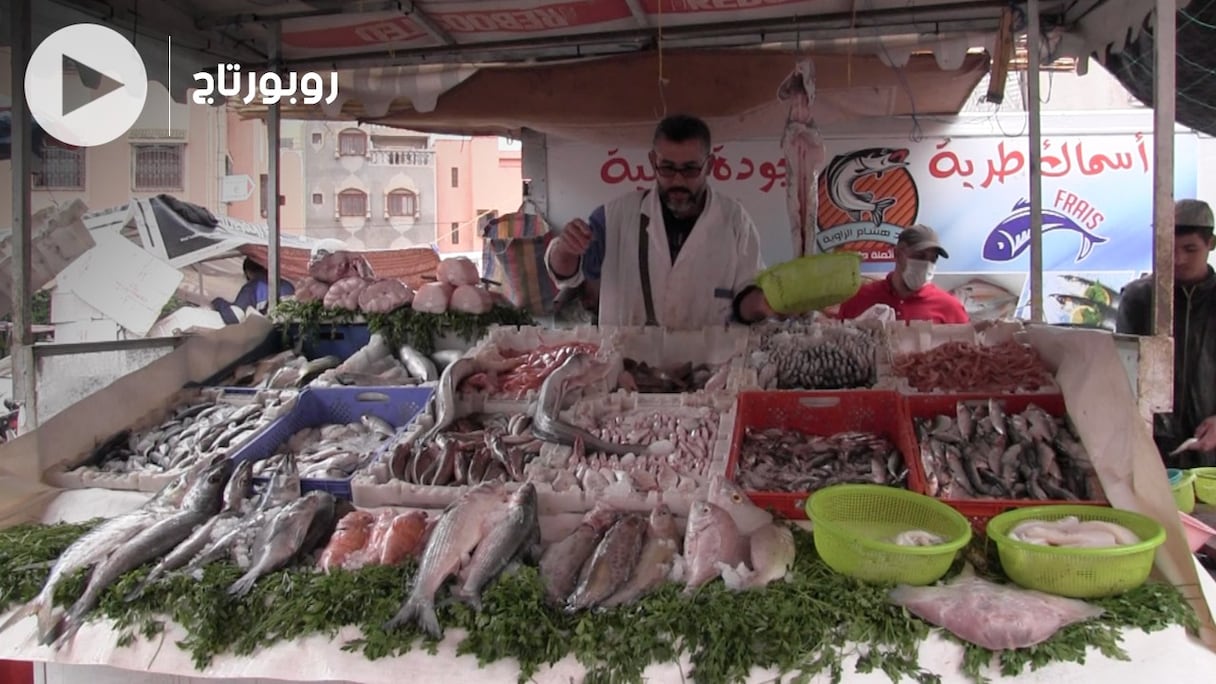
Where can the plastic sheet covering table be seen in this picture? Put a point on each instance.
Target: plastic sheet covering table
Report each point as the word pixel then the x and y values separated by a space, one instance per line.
pixel 93 658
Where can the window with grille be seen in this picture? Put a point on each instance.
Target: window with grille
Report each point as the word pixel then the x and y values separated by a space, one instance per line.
pixel 402 203
pixel 455 233
pixel 455 177
pixel 352 203
pixel 318 198
pixel 352 143
pixel 158 167
pixel 61 168
pixel 316 138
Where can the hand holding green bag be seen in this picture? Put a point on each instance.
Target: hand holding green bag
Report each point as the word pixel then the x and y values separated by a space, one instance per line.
pixel 812 282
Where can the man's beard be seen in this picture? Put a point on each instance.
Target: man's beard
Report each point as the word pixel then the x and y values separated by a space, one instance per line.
pixel 682 202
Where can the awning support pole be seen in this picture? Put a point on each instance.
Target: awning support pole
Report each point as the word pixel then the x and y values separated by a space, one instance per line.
pixel 1035 164
pixel 25 367
pixel 1164 43
pixel 273 213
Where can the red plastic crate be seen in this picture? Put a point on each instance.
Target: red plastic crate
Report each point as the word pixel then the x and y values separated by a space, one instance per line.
pixel 822 413
pixel 978 511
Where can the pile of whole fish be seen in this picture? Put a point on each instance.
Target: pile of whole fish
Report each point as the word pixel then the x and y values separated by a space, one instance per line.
pixel 791 461
pixel 611 558
pixel 201 516
pixel 333 451
pixel 982 453
pixel 375 365
pixel 192 433
pixel 815 356
pixel 474 449
pixel 477 536
pixel 966 367
pixel 641 377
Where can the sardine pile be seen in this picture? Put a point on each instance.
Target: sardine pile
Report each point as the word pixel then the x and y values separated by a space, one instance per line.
pixel 776 460
pixel 474 449
pixel 332 451
pixel 980 453
pixel 192 433
pixel 641 377
pixel 965 367
pixel 200 517
pixel 816 356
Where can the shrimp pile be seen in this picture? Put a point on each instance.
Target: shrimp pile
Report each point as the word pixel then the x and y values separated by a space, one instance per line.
pixel 515 373
pixel 967 367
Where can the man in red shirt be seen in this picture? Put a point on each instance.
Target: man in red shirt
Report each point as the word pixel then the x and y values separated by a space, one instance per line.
pixel 907 289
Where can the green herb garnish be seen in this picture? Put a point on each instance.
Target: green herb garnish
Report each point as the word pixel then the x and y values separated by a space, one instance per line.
pixel 403 326
pixel 802 627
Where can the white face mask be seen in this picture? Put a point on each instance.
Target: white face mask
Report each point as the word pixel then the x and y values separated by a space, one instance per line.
pixel 918 273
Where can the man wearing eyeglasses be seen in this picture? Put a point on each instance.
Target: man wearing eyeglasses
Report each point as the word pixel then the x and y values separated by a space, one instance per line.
pixel 681 255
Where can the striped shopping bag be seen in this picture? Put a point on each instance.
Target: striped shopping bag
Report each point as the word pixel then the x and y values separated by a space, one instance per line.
pixel 516 246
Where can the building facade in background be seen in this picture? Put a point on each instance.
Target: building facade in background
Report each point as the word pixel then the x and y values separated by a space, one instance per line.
pixel 475 176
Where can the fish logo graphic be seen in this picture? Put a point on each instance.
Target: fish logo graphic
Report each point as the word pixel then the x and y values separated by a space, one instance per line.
pixel 1011 237
pixel 844 172
pixel 866 198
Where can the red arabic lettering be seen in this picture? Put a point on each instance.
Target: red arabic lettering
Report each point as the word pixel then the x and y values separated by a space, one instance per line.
pixel 770 171
pixel 682 6
pixel 392 31
pixel 1048 164
pixel 750 170
pixel 721 168
pixel 616 170
pixel 1010 163
pixel 1100 162
pixel 955 168
pixel 539 19
pixel 1143 152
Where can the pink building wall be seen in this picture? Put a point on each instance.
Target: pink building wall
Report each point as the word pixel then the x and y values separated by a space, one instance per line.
pixel 487 179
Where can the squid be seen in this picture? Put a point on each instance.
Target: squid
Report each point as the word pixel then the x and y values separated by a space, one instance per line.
pixel 804 153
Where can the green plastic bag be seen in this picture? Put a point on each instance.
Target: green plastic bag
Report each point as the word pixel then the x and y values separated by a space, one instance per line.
pixel 811 282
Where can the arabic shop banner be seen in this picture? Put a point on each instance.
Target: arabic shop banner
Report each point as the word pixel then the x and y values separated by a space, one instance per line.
pixel 1097 196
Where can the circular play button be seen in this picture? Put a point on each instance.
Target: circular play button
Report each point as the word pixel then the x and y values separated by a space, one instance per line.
pixel 108 64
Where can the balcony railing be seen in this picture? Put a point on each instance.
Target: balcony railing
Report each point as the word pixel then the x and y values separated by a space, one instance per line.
pixel 402 157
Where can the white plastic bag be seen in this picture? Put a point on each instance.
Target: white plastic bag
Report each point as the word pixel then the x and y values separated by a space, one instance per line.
pixel 993 616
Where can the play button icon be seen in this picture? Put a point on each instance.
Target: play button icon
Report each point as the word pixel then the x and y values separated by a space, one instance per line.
pixel 107 63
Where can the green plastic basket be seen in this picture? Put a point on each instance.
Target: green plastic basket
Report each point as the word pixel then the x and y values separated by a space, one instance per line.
pixel 1182 484
pixel 1077 573
pixel 1205 485
pixel 853 522
pixel 811 282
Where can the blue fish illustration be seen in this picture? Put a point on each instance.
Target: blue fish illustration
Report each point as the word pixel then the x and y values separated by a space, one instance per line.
pixel 1012 236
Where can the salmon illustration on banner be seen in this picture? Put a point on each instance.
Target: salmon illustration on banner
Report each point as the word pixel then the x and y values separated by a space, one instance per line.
pixel 804 154
pixel 866 198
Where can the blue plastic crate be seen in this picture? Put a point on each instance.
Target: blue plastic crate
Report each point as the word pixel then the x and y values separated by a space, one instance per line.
pixel 341 341
pixel 399 406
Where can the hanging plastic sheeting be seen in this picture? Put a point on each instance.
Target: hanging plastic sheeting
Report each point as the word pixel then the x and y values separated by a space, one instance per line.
pixel 804 155
pixel 993 616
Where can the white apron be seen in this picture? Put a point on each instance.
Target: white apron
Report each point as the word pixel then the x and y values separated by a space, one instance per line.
pixel 720 258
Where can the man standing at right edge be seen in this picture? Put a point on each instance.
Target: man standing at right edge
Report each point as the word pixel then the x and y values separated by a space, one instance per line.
pixel 1194 411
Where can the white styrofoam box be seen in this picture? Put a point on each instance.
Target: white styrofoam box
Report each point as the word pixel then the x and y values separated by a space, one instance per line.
pixel 66 307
